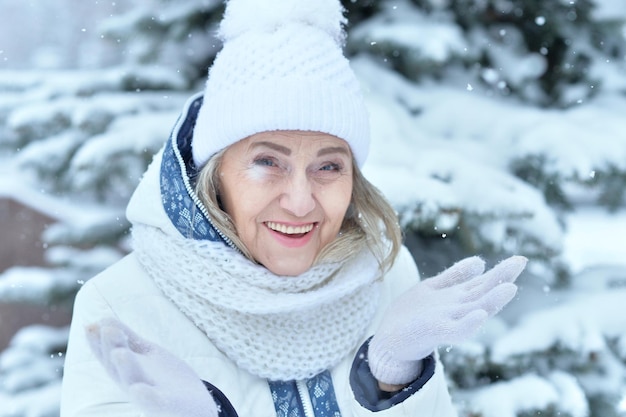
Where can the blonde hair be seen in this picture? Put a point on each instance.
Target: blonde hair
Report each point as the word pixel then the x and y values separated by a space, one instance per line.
pixel 370 221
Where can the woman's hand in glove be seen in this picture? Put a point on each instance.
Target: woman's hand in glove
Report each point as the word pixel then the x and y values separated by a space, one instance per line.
pixel 442 310
pixel 156 381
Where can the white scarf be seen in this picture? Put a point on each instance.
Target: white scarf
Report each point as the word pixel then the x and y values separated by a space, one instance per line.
pixel 275 327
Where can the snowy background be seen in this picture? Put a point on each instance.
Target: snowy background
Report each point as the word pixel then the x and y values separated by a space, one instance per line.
pixel 498 128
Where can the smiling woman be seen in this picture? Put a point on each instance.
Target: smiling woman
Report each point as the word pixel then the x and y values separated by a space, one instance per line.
pixel 331 187
pixel 298 187
pixel 268 276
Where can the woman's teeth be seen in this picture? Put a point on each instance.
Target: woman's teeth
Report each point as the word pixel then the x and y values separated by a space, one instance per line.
pixel 290 230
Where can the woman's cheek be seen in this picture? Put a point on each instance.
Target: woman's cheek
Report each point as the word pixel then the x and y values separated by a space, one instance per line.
pixel 262 176
pixel 257 173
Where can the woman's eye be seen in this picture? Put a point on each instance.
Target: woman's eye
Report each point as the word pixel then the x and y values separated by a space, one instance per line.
pixel 333 167
pixel 266 162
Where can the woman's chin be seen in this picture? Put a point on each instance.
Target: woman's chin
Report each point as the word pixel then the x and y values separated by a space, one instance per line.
pixel 288 267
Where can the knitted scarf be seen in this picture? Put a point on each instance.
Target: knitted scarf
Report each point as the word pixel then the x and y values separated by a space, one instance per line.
pixel 275 327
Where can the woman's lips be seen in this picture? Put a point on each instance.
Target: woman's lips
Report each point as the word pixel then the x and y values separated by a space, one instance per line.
pixel 291 235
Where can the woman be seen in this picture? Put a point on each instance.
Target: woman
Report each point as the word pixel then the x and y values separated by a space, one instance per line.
pixel 268 276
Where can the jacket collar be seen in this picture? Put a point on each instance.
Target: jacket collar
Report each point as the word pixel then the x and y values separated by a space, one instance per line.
pixel 177 181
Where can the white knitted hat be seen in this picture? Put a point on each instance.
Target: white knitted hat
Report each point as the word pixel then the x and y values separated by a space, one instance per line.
pixel 281 68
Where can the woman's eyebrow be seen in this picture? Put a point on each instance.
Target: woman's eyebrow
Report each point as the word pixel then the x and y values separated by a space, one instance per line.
pixel 278 148
pixel 333 149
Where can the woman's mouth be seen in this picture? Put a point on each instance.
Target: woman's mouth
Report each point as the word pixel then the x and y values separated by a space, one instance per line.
pixel 290 230
pixel 291 236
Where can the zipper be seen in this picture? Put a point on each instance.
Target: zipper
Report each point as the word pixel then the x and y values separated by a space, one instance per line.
pixel 303 392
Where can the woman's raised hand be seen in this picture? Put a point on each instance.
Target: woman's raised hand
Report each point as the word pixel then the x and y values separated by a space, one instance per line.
pixel 156 381
pixel 442 310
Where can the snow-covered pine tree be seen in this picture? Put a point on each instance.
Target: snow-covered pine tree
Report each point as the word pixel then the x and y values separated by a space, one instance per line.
pixel 488 117
pixel 550 58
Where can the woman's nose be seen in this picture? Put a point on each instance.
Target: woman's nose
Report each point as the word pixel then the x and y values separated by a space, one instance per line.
pixel 297 197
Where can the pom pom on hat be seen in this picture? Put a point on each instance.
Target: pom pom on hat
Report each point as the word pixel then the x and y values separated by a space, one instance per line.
pixel 281 68
pixel 266 16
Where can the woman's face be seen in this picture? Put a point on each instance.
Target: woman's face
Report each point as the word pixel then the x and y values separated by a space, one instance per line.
pixel 287 193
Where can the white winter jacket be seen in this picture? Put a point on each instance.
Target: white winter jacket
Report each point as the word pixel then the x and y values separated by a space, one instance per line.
pixel 126 292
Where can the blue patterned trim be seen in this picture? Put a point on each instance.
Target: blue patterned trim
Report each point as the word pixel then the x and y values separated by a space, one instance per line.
pixel 177 178
pixel 322 395
pixel 288 403
pixel 286 399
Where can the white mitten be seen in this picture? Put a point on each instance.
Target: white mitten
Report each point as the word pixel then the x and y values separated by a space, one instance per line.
pixel 442 310
pixel 156 381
